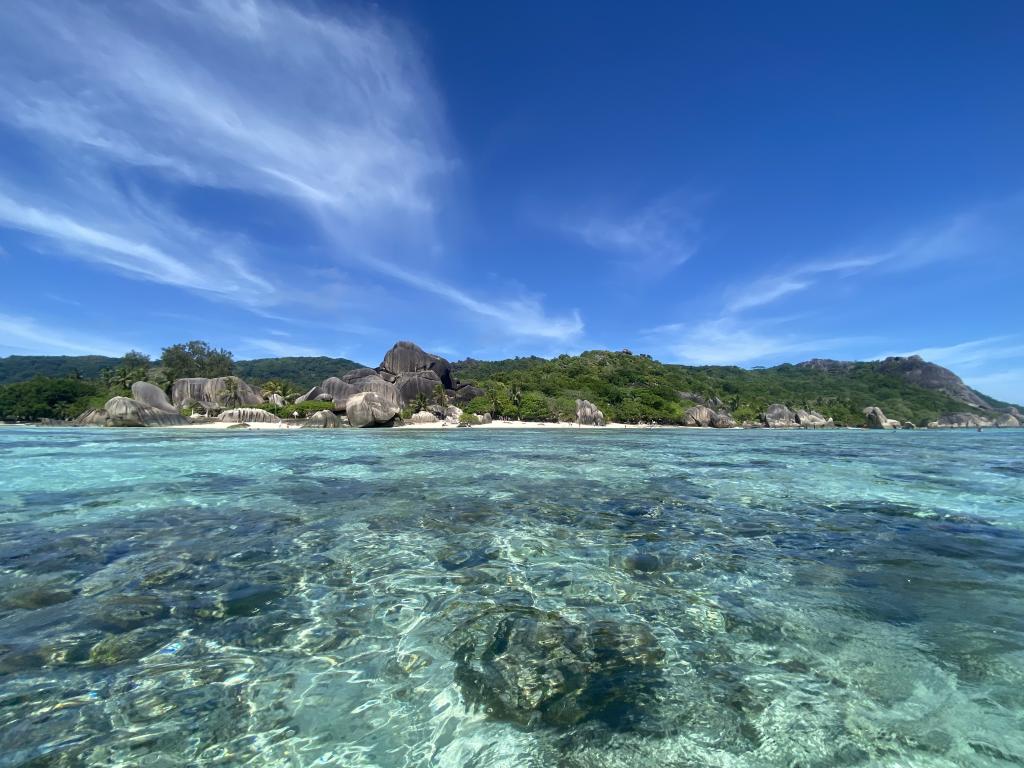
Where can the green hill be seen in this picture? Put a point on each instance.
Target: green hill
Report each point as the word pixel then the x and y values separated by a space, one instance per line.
pixel 25 367
pixel 630 387
pixel 303 372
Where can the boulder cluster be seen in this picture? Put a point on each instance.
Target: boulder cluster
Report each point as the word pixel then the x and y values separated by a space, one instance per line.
pixel 779 416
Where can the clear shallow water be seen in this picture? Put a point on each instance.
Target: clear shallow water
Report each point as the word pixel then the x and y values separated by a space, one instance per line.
pixel 484 598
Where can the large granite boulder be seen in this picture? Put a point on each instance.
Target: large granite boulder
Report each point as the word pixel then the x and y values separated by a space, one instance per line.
pixel 778 416
pixel 368 380
pixel 723 420
pixel 369 409
pixel 249 416
pixel 324 420
pixel 875 419
pixel 588 413
pixel 811 419
pixel 1005 420
pixel 339 390
pixel 415 383
pixel 153 396
pixel 424 417
pixel 276 399
pixel 314 394
pixel 698 416
pixel 127 412
pixel 406 357
pixel 464 393
pixel 452 415
pixel 535 669
pixel 223 391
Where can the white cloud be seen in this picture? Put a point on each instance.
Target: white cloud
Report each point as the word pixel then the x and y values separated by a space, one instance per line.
pixel 725 341
pixel 25 335
pixel 283 349
pixel 659 237
pixel 334 115
pixel 960 236
pixel 970 354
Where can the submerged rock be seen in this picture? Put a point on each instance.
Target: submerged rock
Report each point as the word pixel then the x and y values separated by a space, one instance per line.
pixel 369 409
pixel 535 668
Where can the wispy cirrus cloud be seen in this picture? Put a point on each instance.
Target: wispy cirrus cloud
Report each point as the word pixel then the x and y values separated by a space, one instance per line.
pixel 135 106
pixel 962 235
pixel 970 353
pixel 658 237
pixel 26 335
pixel 728 341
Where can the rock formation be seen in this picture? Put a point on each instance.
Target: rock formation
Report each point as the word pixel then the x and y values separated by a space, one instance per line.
pixel 126 412
pixel 588 413
pixel 778 416
pixel 535 668
pixel 368 380
pixel 698 416
pixel 314 394
pixel 221 392
pixel 424 417
pixel 338 390
pixel 876 419
pixel 452 415
pixel 406 357
pixel 369 409
pixel 931 376
pixel 152 395
pixel 413 384
pixel 323 420
pixel 723 420
pixel 276 399
pixel 246 415
pixel 811 419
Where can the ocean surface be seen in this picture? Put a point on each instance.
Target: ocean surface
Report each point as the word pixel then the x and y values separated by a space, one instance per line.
pixel 511 598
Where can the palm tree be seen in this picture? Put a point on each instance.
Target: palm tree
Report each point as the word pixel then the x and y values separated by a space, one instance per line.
pixel 440 396
pixel 420 403
pixel 515 394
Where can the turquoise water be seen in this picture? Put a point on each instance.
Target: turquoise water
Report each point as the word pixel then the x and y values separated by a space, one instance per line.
pixel 511 598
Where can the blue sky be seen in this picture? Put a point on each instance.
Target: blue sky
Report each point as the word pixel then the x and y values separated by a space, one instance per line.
pixel 745 183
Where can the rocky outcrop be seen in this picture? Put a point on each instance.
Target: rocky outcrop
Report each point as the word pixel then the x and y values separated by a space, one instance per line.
pixel 249 415
pixel 452 415
pixel 698 416
pixel 314 394
pixel 368 380
pixel 369 409
pixel 723 420
pixel 875 419
pixel 588 413
pixel 339 390
pixel 918 371
pixel 276 399
pixel 973 420
pixel 152 395
pixel 710 402
pixel 778 416
pixel 406 357
pixel 222 392
pixel 411 385
pixel 1005 420
pixel 127 412
pixel 464 393
pixel 324 420
pixel 424 417
pixel 812 419
pixel 909 425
